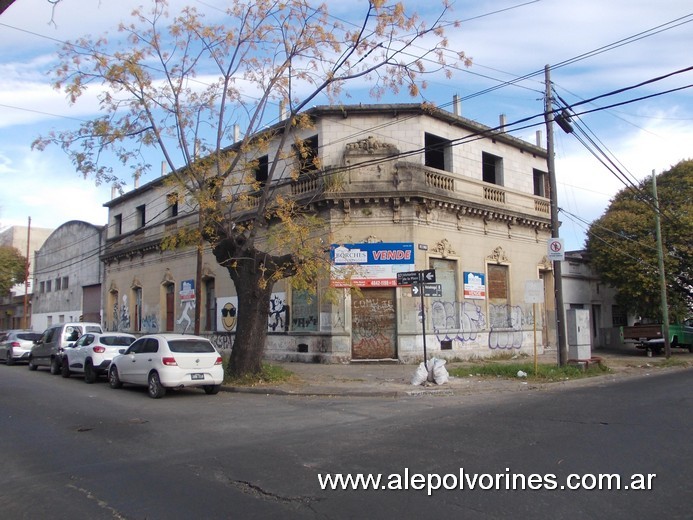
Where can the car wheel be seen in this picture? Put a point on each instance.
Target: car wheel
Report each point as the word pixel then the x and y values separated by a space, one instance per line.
pixel 212 389
pixel 154 386
pixel 65 368
pixel 89 373
pixel 9 360
pixel 113 378
pixel 32 366
pixel 55 367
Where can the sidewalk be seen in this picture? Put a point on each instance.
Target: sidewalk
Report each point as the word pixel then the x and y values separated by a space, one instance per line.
pixel 374 379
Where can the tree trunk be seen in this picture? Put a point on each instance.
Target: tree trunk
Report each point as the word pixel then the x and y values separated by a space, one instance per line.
pixel 253 313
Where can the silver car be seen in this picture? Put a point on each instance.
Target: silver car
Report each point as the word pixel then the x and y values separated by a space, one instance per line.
pixel 15 345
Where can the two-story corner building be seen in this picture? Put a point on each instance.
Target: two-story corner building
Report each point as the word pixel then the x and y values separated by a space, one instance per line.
pixel 401 188
pixel 68 275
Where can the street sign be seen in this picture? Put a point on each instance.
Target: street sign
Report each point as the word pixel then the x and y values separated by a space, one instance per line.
pixel 429 276
pixel 556 252
pixel 430 290
pixel 408 278
pixel 415 277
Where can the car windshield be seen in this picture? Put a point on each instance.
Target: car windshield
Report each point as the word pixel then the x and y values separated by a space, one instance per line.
pixel 93 328
pixel 116 341
pixel 190 346
pixel 29 336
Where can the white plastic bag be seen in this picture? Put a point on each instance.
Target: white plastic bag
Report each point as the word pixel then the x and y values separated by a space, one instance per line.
pixel 440 373
pixel 420 375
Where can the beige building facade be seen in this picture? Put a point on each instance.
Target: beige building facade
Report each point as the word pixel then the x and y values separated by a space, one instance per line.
pixel 401 189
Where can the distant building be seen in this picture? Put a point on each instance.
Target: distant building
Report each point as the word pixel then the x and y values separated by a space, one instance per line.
pixel 12 305
pixel 582 289
pixel 68 276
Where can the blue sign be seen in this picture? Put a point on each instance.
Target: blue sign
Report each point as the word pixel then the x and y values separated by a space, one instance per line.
pixel 372 254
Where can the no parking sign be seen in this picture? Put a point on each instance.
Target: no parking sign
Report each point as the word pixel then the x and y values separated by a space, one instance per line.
pixel 556 253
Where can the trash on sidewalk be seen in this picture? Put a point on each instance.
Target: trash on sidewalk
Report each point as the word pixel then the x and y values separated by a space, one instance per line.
pixel 521 373
pixel 436 373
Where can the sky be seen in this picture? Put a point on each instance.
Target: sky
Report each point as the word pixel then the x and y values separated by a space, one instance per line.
pixel 593 48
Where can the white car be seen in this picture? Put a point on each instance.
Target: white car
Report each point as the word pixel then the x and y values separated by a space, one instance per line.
pixel 162 361
pixel 92 353
pixel 15 345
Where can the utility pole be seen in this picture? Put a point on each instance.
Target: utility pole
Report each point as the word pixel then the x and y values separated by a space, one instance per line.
pixel 553 198
pixel 26 275
pixel 662 275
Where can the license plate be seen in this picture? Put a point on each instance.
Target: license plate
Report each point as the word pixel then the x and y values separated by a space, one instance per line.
pixel 195 377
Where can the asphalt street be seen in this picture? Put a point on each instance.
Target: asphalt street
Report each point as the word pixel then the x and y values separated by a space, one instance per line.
pixel 72 450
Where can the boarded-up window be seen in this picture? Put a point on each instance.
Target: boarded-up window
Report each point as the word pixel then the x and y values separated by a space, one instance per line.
pixel 498 297
pixel 498 282
pixel 304 311
pixel 443 313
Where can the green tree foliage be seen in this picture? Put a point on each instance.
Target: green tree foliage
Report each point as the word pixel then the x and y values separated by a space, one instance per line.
pixel 180 84
pixel 12 268
pixel 623 249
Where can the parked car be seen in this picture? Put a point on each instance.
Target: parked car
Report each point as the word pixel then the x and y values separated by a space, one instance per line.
pixel 162 361
pixel 48 350
pixel 92 353
pixel 15 345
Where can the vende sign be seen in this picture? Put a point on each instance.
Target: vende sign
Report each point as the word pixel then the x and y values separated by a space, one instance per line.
pixel 369 265
pixel 373 254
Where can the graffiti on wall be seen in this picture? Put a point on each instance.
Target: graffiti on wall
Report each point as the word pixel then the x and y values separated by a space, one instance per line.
pixel 227 313
pixel 504 323
pixel 150 324
pixel 223 341
pixel 185 320
pixel 277 315
pixel 124 320
pixel 506 327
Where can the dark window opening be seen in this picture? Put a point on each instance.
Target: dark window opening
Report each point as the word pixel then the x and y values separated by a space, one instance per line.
pixel 307 155
pixel 118 224
pixel 141 216
pixel 436 149
pixel 262 170
pixel 492 169
pixel 172 200
pixel 540 179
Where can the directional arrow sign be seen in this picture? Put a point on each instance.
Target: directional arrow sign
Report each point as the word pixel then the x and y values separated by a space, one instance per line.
pixel 429 275
pixel 431 290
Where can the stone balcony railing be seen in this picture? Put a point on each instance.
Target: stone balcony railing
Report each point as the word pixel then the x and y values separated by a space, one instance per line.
pixel 390 180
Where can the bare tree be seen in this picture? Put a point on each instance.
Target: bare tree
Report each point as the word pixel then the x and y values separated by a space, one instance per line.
pixel 180 85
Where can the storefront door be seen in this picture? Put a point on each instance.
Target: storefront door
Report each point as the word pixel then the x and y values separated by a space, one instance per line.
pixel 373 324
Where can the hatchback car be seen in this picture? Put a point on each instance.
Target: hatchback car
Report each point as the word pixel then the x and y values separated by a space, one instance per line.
pixel 15 345
pixel 162 361
pixel 48 351
pixel 92 353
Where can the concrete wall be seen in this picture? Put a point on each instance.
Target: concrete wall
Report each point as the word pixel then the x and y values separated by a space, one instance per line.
pixel 70 254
